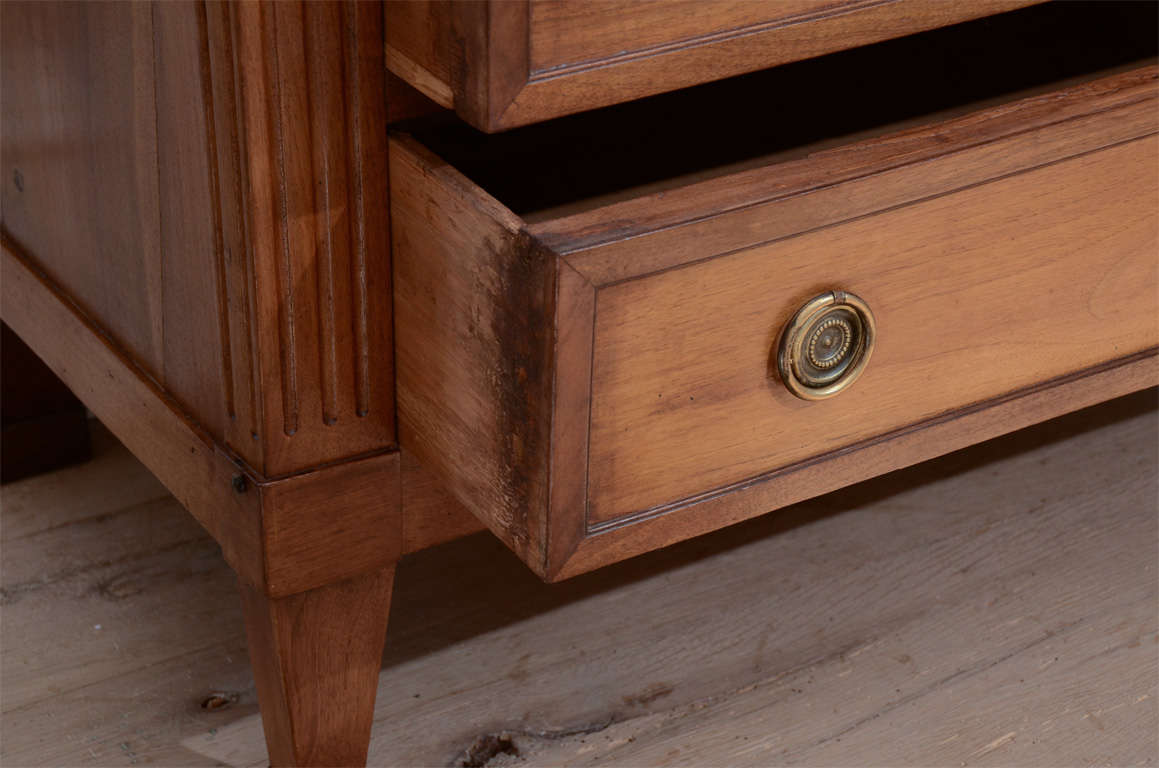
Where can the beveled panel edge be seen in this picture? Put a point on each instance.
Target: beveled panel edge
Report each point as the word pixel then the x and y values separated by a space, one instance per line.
pixel 574 351
pixel 839 8
pixel 635 534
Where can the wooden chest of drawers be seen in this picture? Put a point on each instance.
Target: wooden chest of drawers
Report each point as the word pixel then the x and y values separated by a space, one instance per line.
pixel 337 347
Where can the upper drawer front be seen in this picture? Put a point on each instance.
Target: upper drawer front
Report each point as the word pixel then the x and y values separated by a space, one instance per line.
pixel 504 63
pixel 596 384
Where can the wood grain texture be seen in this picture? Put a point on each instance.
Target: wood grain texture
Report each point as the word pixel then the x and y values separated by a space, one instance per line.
pixel 474 303
pixel 79 151
pixel 570 32
pixel 754 644
pixel 298 97
pixel 194 317
pixel 316 658
pixel 107 578
pixel 983 309
pixel 314 553
pixel 120 394
pixel 970 303
pixel 950 432
pixel 417 37
pixel 511 63
pixel 431 515
pixel 332 524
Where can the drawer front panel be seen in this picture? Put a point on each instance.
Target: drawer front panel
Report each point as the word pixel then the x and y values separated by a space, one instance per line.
pixel 976 293
pixel 507 63
pixel 598 384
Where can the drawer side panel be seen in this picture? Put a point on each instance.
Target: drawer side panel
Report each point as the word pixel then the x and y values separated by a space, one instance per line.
pixel 474 305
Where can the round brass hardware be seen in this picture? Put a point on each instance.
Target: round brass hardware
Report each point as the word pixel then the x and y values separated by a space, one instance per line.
pixel 826 345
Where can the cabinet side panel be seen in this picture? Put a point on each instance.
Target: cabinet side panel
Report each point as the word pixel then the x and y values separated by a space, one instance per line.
pixel 79 160
pixel 106 166
pixel 196 330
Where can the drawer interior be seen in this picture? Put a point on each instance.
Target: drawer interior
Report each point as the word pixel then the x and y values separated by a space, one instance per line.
pixel 585 161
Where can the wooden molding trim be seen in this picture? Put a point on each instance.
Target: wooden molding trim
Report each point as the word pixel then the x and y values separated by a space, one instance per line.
pixel 283 535
pixel 297 97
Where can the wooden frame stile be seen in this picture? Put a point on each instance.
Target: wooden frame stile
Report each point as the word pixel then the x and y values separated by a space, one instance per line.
pixel 299 107
pixel 299 99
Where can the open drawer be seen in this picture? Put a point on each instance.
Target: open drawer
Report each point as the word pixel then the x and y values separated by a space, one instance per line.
pixel 594 371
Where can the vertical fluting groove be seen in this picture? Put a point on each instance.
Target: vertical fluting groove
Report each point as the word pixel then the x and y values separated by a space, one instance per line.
pixel 322 140
pixel 239 150
pixel 219 264
pixel 357 216
pixel 160 340
pixel 288 351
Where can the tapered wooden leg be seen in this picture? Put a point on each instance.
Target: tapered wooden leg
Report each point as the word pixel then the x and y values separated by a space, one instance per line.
pixel 316 657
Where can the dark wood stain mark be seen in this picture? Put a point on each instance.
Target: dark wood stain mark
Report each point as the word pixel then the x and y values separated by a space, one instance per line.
pixel 523 328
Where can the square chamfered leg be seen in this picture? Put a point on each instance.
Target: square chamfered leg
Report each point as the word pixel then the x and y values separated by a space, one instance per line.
pixel 316 657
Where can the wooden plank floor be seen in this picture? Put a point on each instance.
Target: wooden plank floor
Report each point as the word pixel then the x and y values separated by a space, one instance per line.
pixel 999 606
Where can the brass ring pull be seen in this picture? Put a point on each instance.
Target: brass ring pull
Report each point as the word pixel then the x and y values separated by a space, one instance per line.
pixel 826 345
